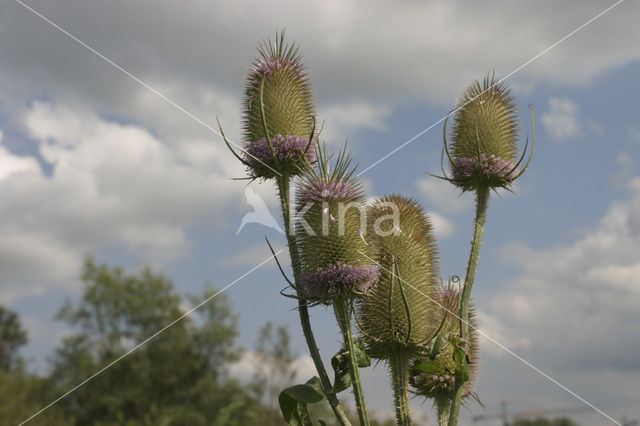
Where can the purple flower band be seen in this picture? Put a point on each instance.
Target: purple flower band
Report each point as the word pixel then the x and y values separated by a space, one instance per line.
pixel 323 190
pixel 268 68
pixel 492 167
pixel 286 148
pixel 340 279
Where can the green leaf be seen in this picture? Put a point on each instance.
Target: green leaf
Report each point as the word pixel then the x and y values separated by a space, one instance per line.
pixel 432 367
pixel 361 353
pixel 340 364
pixel 437 346
pixel 462 369
pixel 341 381
pixel 293 401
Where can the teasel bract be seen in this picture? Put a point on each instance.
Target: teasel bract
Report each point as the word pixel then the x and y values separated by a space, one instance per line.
pixel 279 113
pixel 398 318
pixel 484 139
pixel 433 376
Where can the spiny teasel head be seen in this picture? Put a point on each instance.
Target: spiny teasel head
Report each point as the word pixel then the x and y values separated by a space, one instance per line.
pixel 335 255
pixel 399 314
pixel 484 138
pixel 433 376
pixel 278 107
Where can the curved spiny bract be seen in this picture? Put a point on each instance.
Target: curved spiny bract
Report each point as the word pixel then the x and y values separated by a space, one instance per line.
pixel 279 113
pixel 399 315
pixel 335 256
pixel 434 376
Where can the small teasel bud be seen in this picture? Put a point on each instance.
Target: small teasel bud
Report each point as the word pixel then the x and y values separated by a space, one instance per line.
pixel 279 116
pixel 434 376
pixel 335 259
pixel 484 139
pixel 398 315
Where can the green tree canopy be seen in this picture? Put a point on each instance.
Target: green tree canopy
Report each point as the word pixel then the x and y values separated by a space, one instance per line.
pixel 173 379
pixel 12 337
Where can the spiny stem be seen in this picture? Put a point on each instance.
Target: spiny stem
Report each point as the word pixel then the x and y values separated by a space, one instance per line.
pixel 343 315
pixel 399 365
pixel 303 309
pixel 482 201
pixel 442 405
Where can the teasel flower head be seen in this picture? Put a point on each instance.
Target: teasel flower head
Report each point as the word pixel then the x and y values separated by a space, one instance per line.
pixel 335 254
pixel 433 376
pixel 398 316
pixel 279 113
pixel 483 151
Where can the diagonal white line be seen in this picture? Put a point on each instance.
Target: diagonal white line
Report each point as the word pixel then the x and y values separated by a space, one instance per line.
pixel 501 346
pixel 189 312
pixel 133 77
pixel 495 84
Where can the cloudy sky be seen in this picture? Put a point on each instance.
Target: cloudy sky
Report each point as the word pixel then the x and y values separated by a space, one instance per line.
pixel 94 162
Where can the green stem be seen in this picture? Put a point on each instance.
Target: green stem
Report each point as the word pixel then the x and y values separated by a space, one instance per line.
pixel 399 365
pixel 343 315
pixel 482 201
pixel 303 309
pixel 442 404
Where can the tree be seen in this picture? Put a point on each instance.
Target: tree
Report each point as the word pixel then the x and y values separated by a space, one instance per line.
pixel 175 378
pixel 12 337
pixel 20 392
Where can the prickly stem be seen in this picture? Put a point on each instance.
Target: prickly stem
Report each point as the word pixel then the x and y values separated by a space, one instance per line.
pixel 442 405
pixel 482 201
pixel 399 366
pixel 343 315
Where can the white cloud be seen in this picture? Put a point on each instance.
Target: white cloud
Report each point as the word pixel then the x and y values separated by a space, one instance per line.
pixel 442 227
pixel 561 121
pixel 15 165
pixel 501 333
pixel 112 184
pixel 251 256
pixel 341 120
pixel 417 51
pixel 577 303
pixel 443 195
pixel 571 313
pixel 250 363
